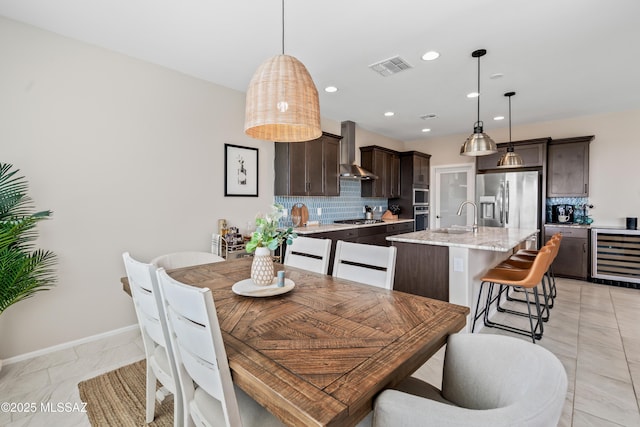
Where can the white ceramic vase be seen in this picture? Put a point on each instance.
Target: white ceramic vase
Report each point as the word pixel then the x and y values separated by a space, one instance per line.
pixel 262 272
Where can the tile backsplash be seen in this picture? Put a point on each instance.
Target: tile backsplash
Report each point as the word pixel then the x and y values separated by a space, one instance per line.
pixel 577 202
pixel 347 205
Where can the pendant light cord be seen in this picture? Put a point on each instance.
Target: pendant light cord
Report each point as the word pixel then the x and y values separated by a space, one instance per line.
pixel 478 88
pixel 283 27
pixel 510 121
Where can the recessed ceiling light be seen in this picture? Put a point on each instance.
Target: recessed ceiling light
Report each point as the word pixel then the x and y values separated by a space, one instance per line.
pixel 473 95
pixel 496 76
pixel 426 130
pixel 389 113
pixel 331 89
pixel 498 118
pixel 430 56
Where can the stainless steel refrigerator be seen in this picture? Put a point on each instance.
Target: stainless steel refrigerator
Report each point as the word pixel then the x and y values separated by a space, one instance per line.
pixel 509 199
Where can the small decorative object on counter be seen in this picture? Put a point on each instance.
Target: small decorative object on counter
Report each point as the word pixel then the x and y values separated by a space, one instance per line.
pixel 389 215
pixel 267 237
pixel 281 278
pixel 262 267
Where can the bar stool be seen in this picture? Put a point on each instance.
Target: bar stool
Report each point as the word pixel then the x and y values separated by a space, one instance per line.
pixel 522 279
pixel 521 262
pixel 531 253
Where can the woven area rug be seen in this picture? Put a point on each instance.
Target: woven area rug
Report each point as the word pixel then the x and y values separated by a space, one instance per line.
pixel 117 398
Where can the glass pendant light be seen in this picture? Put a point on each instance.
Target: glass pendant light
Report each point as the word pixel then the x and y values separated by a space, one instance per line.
pixel 510 159
pixel 282 101
pixel 478 143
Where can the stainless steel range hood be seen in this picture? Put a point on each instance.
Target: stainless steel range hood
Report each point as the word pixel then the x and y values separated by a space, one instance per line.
pixel 348 166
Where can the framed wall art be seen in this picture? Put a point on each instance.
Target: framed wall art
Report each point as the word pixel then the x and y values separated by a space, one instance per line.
pixel 240 171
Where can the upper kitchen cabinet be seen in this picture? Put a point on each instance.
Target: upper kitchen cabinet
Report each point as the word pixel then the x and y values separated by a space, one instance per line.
pixel 385 164
pixel 568 167
pixel 414 167
pixel 309 168
pixel 532 151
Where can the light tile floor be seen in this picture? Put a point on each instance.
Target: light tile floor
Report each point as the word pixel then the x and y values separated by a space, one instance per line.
pixel 594 330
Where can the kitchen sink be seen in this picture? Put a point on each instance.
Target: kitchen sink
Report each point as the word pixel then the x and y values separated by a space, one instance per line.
pixel 453 230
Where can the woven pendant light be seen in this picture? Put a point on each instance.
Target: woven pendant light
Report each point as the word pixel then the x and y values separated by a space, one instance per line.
pixel 282 101
pixel 478 143
pixel 510 159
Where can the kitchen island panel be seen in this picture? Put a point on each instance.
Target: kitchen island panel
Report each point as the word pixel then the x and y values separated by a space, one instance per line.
pixel 422 270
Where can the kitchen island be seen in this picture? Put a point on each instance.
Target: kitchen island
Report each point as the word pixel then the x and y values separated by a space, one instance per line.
pixel 447 264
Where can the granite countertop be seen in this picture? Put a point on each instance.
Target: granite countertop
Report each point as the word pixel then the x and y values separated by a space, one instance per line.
pixel 487 238
pixel 323 228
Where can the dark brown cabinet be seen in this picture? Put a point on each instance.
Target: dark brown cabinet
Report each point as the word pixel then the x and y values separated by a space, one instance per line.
pixel 532 151
pixel 420 169
pixel 573 257
pixel 385 164
pixel 308 168
pixel 371 235
pixel 414 173
pixel 422 270
pixel 568 167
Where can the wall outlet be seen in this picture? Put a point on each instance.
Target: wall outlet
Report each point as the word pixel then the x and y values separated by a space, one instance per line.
pixel 319 211
pixel 458 264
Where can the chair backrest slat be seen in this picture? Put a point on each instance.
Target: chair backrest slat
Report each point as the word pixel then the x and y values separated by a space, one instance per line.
pixel 309 254
pixel 199 349
pixel 185 259
pixel 369 264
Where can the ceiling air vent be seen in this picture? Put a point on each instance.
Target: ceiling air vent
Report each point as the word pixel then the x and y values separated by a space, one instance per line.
pixel 390 66
pixel 428 116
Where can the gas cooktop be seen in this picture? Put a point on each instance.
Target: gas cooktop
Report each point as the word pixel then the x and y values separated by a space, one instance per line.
pixel 358 221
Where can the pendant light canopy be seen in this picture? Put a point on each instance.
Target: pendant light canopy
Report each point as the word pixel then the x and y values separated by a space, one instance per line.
pixel 478 143
pixel 282 101
pixel 510 159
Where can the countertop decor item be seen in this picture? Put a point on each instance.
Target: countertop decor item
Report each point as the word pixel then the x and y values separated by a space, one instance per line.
pixel 299 215
pixel 248 288
pixel 282 101
pixel 478 143
pixel 267 237
pixel 510 159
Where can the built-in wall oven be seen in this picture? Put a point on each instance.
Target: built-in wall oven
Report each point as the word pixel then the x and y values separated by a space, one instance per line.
pixel 420 196
pixel 421 217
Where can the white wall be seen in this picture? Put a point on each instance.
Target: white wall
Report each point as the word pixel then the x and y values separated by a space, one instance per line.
pixel 128 155
pixel 614 158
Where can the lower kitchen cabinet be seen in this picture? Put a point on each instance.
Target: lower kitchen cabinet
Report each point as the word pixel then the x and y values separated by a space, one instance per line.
pixel 371 235
pixel 573 257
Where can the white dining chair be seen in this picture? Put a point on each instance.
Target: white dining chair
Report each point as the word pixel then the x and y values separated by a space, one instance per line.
pixel 209 395
pixel 155 337
pixel 185 259
pixel 488 381
pixel 369 264
pixel 309 253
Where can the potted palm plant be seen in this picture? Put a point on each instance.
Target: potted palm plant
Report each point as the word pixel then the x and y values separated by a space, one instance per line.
pixel 24 270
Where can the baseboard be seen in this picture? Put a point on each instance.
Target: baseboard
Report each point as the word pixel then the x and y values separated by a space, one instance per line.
pixel 66 345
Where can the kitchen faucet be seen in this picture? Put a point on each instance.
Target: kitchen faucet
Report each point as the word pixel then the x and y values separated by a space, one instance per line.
pixel 475 214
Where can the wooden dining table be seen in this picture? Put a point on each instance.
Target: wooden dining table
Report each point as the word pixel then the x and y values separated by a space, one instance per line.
pixel 319 354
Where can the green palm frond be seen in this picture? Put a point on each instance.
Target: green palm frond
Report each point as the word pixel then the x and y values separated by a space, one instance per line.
pixel 23 274
pixel 23 270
